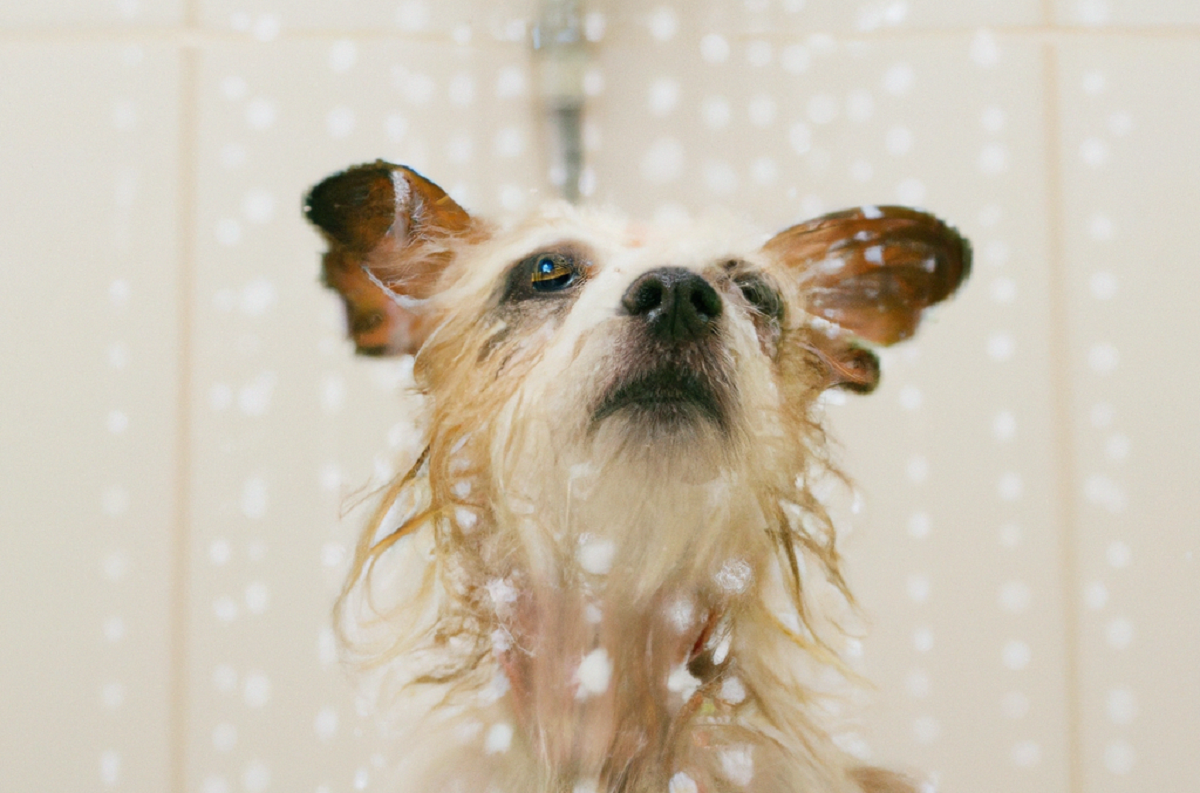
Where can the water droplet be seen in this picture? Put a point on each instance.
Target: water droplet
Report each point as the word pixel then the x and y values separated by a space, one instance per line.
pixel 224 737
pixel 926 729
pixel 498 739
pixel 225 608
pixel 1016 655
pixel 257 689
pixel 260 114
pixel 110 767
pixel 898 79
pixel 1095 595
pixel 737 764
pixel 1119 633
pixel 256 777
pixel 919 526
pixel 1010 486
pixel 113 628
pixel 985 49
pixel 413 15
pixel 112 695
pixel 258 597
pixel 714 48
pixel 734 576
pixel 1094 152
pixel 326 723
pixel 1026 753
pixel 593 674
pixel 682 783
pixel 918 588
pixel 918 684
pixel 595 554
pixel 343 54
pixel 1119 757
pixel 1121 706
pixel 732 691
pixel 1103 285
pixel 663 95
pixel 1015 596
pixel 663 23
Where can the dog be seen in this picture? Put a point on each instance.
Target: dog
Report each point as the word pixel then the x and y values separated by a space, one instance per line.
pixel 609 570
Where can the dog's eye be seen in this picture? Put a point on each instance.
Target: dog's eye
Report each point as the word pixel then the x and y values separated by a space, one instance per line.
pixel 550 275
pixel 552 272
pixel 761 295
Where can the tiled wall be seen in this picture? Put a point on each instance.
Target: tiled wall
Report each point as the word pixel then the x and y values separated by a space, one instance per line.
pixel 183 425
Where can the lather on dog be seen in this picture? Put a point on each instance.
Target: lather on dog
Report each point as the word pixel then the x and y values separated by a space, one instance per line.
pixel 608 570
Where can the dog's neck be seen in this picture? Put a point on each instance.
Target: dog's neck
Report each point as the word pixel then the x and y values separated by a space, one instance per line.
pixel 618 605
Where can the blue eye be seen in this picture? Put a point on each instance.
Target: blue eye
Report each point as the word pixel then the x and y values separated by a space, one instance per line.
pixel 552 272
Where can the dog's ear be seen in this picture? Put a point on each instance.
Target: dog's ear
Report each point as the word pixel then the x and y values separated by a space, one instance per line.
pixel 870 272
pixel 391 233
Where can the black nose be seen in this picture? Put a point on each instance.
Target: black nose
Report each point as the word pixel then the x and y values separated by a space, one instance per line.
pixel 677 304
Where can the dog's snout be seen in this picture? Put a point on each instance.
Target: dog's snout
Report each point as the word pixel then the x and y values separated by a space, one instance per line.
pixel 676 303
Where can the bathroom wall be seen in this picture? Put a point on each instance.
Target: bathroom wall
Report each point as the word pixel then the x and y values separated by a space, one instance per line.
pixel 187 439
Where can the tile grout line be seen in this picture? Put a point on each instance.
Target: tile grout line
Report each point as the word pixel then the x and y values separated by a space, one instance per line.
pixel 1048 13
pixel 189 56
pixel 188 35
pixel 192 34
pixel 1061 407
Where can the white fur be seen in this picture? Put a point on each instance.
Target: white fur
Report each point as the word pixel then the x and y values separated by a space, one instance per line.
pixel 609 559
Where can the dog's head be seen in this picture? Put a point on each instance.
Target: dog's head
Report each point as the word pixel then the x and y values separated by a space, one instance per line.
pixel 621 415
pixel 621 375
pixel 656 329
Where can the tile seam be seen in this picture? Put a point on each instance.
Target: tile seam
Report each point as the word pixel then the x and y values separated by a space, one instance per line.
pixel 188 119
pixel 195 35
pixel 1064 442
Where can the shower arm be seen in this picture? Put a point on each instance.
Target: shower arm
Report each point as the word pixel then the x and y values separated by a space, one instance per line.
pixel 560 58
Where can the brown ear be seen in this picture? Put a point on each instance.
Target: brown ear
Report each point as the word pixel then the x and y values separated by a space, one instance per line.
pixel 871 272
pixel 391 233
pixel 848 365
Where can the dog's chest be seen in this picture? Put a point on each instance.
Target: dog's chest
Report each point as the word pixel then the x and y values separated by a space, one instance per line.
pixel 621 616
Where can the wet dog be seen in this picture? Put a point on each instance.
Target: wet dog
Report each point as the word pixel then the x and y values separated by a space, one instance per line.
pixel 608 570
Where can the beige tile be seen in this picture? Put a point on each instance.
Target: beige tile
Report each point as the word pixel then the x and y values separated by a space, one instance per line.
pixel 288 424
pixel 109 14
pixel 88 457
pixel 509 20
pixel 1138 13
pixel 1130 171
pixel 956 554
pixel 466 21
pixel 684 20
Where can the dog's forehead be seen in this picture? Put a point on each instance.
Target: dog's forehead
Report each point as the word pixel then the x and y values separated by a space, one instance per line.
pixel 616 245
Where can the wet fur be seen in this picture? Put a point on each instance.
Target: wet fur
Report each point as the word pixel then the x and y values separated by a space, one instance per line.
pixel 481 587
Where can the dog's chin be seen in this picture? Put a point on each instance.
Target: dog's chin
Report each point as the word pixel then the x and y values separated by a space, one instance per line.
pixel 665 402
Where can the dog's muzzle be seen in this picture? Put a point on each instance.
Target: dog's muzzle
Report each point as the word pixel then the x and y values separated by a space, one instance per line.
pixel 671 372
